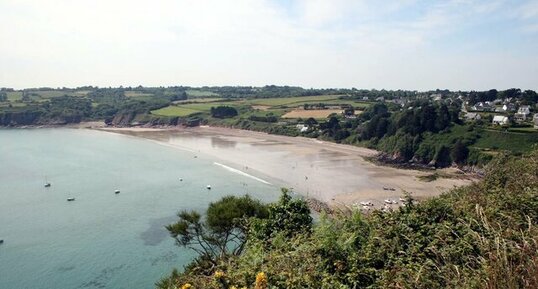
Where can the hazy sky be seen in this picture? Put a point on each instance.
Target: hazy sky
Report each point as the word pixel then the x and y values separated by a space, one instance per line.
pixel 459 44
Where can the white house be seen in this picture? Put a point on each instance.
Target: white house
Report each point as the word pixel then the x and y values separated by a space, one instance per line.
pixel 500 120
pixel 524 109
pixel 302 127
pixel 535 120
pixel 509 107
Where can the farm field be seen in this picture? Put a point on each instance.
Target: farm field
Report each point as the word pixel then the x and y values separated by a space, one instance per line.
pixel 285 106
pixel 314 113
pixel 14 95
pixel 174 111
pixel 201 93
pixel 517 142
pixel 137 94
pixel 291 100
pixel 198 100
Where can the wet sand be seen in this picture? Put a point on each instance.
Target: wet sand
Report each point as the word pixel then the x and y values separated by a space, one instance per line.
pixel 333 173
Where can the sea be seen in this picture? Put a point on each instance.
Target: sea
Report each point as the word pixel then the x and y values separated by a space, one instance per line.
pixel 101 239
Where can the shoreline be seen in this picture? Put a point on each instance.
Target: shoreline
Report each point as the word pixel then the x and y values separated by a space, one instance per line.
pixel 337 174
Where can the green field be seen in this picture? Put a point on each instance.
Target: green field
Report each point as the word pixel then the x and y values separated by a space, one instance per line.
pixel 137 94
pixel 174 111
pixel 198 100
pixel 14 95
pixel 516 142
pixel 190 106
pixel 298 100
pixel 200 93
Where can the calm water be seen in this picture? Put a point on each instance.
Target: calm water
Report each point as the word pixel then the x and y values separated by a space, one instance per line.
pixel 101 240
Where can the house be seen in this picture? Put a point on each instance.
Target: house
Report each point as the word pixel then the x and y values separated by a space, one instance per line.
pixel 522 113
pixel 302 127
pixel 524 109
pixel 436 96
pixel 380 99
pixel 535 120
pixel 509 107
pixel 365 98
pixel 500 120
pixel 483 106
pixel 471 116
pixel 520 117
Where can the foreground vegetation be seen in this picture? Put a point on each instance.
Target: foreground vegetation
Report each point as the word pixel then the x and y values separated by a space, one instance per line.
pixel 481 236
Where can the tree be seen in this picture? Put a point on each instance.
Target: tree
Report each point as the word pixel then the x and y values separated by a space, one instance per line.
pixel 223 112
pixel 288 216
pixel 3 96
pixel 442 156
pixel 459 152
pixel 224 231
pixel 310 122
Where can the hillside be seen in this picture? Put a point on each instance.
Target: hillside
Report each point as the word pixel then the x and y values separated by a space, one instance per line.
pixel 481 236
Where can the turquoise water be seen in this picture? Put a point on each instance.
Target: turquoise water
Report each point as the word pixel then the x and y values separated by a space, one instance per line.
pixel 101 240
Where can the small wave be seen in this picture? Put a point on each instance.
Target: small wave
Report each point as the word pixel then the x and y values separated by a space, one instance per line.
pixel 241 173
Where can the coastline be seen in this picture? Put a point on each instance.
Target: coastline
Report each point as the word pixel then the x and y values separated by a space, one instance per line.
pixel 336 174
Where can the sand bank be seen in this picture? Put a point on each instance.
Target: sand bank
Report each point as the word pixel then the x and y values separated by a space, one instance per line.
pixel 334 173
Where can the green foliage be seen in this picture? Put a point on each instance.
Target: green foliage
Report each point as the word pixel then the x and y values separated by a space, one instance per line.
pixel 224 231
pixel 481 236
pixel 288 217
pixel 223 111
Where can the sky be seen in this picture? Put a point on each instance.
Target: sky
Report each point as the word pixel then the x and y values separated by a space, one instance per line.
pixel 366 44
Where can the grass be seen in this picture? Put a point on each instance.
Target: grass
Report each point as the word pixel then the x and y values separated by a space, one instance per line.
pixel 511 141
pixel 174 111
pixel 136 94
pixel 14 95
pixel 190 106
pixel 198 100
pixel 200 93
pixel 529 129
pixel 298 100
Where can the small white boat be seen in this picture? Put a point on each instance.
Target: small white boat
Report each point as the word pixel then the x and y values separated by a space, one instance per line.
pixel 47 185
pixel 116 192
pixel 389 201
pixel 70 199
pixel 366 203
pixel 208 187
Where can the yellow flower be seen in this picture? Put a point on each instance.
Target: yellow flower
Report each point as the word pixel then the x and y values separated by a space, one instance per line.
pixel 186 286
pixel 261 281
pixel 219 274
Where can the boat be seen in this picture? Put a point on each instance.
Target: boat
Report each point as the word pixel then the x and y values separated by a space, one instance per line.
pixel 116 192
pixel 180 179
pixel 208 187
pixel 1 241
pixel 366 203
pixel 47 185
pixel 70 199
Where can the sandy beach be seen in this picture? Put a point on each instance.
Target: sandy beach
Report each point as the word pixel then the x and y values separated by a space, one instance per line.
pixel 333 173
